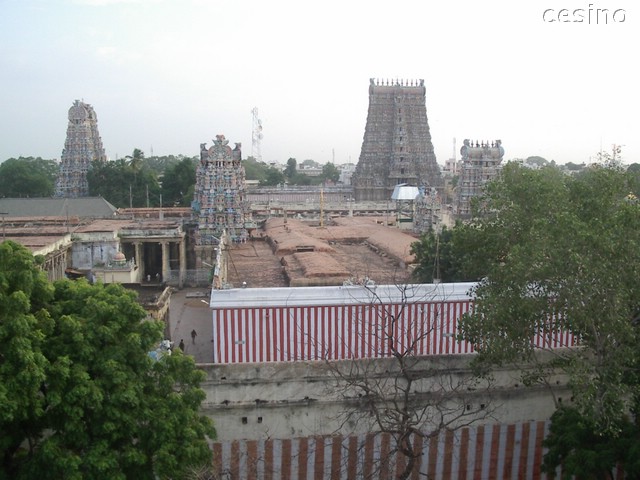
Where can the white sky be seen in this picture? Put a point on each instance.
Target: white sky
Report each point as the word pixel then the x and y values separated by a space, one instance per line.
pixel 169 75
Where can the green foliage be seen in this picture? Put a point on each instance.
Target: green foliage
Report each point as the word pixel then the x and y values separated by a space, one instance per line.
pixel 562 254
pixel 267 175
pixel 125 182
pixel 574 166
pixel 28 177
pixel 575 443
pixel 178 183
pixel 330 172
pixel 273 176
pixel 453 252
pixel 24 325
pixel 159 164
pixel 291 169
pixel 79 395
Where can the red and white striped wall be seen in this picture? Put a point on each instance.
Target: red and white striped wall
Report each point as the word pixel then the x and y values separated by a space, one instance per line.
pixel 335 323
pixel 485 452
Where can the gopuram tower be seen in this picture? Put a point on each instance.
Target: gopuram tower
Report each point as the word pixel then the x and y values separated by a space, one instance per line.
pixel 397 144
pixel 479 165
pixel 219 198
pixel 82 146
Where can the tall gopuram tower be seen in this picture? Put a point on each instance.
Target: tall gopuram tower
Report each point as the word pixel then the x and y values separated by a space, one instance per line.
pixel 82 146
pixel 479 165
pixel 219 198
pixel 397 144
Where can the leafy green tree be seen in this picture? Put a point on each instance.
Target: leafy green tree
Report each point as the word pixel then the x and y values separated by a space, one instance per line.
pixel 136 159
pixel 80 395
pixel 291 169
pixel 445 256
pixel 574 166
pixel 124 183
pixel 330 172
pixel 28 177
pixel 24 326
pixel 562 255
pixel 159 164
pixel 584 452
pixel 274 176
pixel 178 183
pixel 254 170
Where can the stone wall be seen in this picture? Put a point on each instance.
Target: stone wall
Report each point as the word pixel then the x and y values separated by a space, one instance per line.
pixel 302 399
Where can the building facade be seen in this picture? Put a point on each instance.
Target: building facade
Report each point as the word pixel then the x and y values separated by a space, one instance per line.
pixel 397 145
pixel 480 163
pixel 82 146
pixel 256 325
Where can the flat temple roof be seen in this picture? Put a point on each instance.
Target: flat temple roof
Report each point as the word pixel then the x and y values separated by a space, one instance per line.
pixel 339 295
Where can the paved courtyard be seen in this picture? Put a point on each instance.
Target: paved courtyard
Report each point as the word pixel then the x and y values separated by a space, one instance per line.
pixel 189 310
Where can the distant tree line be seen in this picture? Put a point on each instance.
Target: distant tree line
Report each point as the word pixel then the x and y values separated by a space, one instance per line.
pixel 140 181
pixel 28 177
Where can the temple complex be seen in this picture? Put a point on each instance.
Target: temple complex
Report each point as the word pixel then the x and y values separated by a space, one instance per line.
pixel 219 199
pixel 397 144
pixel 480 163
pixel 82 146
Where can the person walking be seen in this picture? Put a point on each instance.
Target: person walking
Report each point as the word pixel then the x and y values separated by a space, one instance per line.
pixel 181 346
pixel 193 336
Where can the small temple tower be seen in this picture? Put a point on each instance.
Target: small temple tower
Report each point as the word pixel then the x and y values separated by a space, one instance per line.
pixel 480 163
pixel 397 144
pixel 219 199
pixel 82 147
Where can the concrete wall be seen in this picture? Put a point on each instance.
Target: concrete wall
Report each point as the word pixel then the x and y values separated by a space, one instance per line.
pixel 301 399
pixel 483 452
pixel 91 249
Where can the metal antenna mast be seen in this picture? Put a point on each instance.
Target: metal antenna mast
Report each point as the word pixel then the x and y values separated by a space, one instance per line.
pixel 256 136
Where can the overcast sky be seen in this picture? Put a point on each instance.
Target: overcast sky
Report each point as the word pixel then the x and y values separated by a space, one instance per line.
pixel 165 76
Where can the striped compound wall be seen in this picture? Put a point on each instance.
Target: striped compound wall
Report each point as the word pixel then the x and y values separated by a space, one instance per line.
pixel 335 323
pixel 484 452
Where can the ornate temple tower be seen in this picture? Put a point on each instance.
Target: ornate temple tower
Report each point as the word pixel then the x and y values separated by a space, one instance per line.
pixel 82 146
pixel 397 144
pixel 479 165
pixel 219 198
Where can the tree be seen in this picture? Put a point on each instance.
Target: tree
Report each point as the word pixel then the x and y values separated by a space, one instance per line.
pixel 408 395
pixel 124 183
pixel 24 325
pixel 81 397
pixel 291 169
pixel 274 176
pixel 136 159
pixel 28 177
pixel 330 172
pixel 178 183
pixel 562 255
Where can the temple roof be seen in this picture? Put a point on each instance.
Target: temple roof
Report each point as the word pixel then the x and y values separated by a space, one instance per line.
pixel 83 207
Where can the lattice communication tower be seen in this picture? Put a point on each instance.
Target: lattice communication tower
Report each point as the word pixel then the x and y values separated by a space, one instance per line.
pixel 256 136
